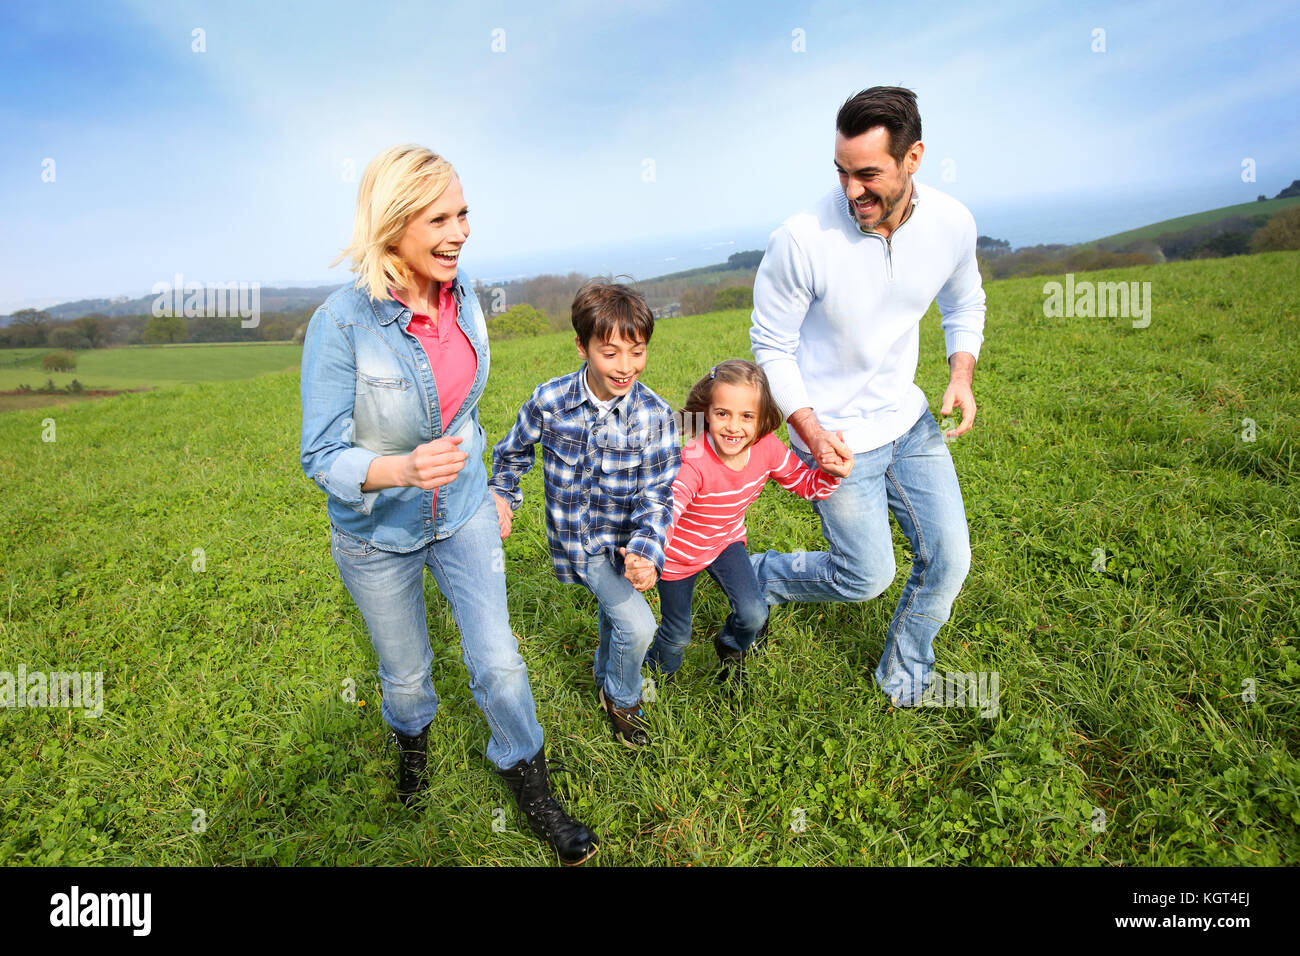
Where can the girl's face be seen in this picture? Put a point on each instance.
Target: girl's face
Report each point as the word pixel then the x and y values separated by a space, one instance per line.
pixel 733 418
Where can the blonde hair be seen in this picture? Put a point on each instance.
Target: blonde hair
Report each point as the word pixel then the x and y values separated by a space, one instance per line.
pixel 397 184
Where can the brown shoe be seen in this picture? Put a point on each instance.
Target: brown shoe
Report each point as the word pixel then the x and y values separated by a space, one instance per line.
pixel 630 727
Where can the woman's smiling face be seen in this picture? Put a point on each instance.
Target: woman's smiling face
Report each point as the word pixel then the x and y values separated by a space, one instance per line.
pixel 433 238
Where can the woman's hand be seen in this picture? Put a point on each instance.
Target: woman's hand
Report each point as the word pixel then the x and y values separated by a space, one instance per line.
pixel 505 517
pixel 433 464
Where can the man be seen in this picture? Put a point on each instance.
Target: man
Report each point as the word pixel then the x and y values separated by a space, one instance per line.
pixel 838 300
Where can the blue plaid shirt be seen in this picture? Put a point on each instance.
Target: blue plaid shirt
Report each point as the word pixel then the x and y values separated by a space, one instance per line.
pixel 609 481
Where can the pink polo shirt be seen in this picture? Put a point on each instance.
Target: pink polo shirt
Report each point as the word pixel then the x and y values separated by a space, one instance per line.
pixel 452 358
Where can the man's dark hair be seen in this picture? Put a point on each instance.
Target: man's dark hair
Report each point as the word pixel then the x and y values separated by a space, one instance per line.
pixel 892 107
pixel 602 308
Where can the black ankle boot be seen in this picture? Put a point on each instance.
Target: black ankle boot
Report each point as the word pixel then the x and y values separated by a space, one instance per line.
pixel 412 765
pixel 732 674
pixel 530 782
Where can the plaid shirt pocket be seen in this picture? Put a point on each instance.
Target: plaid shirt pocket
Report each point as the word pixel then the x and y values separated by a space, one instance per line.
pixel 563 452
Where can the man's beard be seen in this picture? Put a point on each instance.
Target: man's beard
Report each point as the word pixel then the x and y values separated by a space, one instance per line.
pixel 884 207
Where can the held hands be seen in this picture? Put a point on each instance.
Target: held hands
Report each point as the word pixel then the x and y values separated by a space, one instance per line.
pixel 505 517
pixel 831 454
pixel 433 464
pixel 639 570
pixel 836 463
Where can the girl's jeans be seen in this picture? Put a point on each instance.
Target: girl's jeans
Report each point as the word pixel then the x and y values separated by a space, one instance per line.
pixel 735 575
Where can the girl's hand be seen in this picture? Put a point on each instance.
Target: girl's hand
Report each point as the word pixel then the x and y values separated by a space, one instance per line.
pixel 505 517
pixel 638 570
pixel 838 465
pixel 831 443
pixel 433 464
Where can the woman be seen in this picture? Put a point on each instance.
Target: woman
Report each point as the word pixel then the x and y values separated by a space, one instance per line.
pixel 392 370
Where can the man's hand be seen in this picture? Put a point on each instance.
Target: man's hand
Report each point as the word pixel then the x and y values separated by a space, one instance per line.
pixel 505 517
pixel 823 445
pixel 959 392
pixel 639 570
pixel 835 464
pixel 433 464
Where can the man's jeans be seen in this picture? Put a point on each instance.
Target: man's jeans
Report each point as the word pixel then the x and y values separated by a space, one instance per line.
pixel 469 569
pixel 914 478
pixel 627 626
pixel 735 575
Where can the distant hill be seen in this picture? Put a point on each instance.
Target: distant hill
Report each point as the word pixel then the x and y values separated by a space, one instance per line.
pixel 666 292
pixel 1249 209
pixel 271 299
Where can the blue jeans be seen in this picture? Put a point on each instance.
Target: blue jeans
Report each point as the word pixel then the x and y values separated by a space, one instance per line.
pixel 469 568
pixel 912 477
pixel 735 575
pixel 627 626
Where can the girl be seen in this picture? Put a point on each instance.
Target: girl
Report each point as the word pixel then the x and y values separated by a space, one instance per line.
pixel 722 472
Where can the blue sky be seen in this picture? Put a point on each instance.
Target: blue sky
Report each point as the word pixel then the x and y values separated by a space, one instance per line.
pixel 231 163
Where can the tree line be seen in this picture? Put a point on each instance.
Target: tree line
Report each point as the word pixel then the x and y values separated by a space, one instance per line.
pixel 33 328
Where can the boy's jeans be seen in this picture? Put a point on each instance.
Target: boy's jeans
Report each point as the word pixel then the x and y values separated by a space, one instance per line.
pixel 914 478
pixel 469 569
pixel 735 575
pixel 627 626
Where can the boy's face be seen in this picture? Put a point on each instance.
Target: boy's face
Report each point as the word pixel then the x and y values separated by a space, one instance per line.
pixel 613 366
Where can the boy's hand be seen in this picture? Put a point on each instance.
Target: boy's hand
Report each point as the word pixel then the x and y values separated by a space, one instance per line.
pixel 640 571
pixel 838 465
pixel 505 517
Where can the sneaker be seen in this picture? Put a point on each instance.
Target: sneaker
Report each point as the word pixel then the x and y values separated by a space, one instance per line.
pixel 630 727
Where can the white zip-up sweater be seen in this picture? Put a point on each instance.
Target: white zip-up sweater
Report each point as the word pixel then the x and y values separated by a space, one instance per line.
pixel 837 312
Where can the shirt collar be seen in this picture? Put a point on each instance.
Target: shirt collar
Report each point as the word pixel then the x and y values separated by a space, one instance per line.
pixel 578 392
pixel 389 309
pixel 848 210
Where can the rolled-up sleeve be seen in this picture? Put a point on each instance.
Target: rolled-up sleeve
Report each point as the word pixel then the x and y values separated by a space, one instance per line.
pixel 783 290
pixel 328 455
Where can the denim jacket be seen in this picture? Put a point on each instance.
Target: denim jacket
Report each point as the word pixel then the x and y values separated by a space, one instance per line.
pixel 367 391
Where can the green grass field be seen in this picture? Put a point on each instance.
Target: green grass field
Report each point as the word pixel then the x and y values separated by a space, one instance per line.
pixel 144 366
pixel 1268 208
pixel 1148 711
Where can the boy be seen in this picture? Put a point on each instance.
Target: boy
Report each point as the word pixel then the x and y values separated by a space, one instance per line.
pixel 609 457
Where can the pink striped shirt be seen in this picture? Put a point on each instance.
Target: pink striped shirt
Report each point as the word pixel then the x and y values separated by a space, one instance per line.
pixel 710 499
